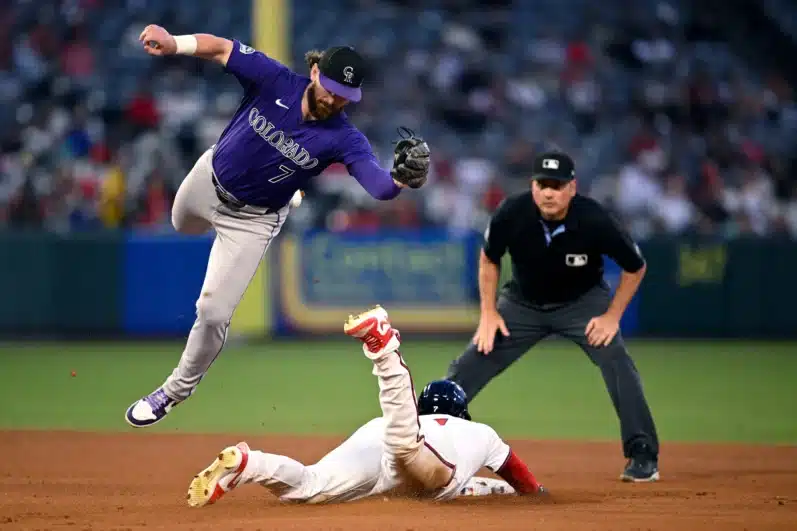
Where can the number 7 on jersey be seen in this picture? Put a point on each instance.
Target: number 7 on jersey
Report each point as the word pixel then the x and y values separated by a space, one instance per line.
pixel 285 172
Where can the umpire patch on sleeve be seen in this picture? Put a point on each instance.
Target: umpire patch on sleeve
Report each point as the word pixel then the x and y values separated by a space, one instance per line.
pixel 244 49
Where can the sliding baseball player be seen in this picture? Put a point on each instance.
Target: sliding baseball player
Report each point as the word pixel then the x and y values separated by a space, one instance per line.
pixel 427 448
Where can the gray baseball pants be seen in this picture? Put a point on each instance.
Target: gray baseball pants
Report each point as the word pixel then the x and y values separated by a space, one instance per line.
pixel 242 239
pixel 528 325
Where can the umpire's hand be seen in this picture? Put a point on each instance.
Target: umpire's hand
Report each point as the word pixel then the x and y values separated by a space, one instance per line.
pixel 601 330
pixel 489 325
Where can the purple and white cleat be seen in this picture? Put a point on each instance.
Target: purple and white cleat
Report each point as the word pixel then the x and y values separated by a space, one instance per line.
pixel 150 410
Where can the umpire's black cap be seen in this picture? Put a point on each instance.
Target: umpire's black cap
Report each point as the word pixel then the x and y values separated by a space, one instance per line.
pixel 553 165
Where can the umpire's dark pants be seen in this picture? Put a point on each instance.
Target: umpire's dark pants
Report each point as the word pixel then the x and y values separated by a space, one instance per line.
pixel 529 324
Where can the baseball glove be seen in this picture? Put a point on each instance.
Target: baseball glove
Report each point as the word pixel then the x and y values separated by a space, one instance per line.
pixel 410 159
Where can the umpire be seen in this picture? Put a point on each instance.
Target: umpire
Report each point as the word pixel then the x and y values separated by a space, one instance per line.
pixel 556 239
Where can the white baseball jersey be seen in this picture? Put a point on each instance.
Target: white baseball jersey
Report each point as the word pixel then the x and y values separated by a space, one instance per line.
pixel 466 445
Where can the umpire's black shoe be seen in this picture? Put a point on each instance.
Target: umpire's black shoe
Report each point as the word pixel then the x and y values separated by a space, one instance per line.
pixel 641 469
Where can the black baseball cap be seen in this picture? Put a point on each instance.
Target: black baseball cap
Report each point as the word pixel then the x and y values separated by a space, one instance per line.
pixel 342 71
pixel 553 165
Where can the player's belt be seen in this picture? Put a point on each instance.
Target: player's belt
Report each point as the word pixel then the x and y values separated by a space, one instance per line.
pixel 231 202
pixel 224 196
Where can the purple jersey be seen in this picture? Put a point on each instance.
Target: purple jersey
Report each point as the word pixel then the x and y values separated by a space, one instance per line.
pixel 268 151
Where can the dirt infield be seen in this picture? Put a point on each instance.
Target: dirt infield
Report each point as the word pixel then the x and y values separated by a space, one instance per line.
pixel 62 480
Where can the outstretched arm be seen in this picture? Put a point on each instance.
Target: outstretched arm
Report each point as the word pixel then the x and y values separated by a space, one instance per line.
pixel 252 68
pixel 157 41
pixel 355 152
pixel 515 472
pixel 506 464
pixel 376 180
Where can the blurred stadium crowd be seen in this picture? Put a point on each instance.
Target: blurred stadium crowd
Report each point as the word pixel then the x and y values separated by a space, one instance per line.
pixel 667 125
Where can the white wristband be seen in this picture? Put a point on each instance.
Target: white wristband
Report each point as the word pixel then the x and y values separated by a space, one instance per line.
pixel 186 44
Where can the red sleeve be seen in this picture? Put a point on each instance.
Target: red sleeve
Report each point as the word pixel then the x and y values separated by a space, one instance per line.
pixel 515 472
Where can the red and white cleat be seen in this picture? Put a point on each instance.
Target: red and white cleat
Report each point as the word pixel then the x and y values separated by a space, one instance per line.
pixel 373 328
pixel 223 475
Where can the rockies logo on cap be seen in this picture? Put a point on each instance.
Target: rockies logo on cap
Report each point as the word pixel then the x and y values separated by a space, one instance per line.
pixel 341 72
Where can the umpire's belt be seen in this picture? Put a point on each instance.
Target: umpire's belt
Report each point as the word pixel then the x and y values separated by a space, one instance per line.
pixel 232 203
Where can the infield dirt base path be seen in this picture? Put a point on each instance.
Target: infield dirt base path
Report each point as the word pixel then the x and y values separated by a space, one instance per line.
pixel 77 481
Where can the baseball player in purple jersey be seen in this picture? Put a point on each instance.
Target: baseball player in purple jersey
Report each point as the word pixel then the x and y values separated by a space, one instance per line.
pixel 287 129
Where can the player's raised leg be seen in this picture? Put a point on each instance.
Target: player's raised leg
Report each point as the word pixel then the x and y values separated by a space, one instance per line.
pixel 195 201
pixel 234 258
pixel 405 446
pixel 241 241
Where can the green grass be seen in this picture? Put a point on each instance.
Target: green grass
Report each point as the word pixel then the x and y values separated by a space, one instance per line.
pixel 698 391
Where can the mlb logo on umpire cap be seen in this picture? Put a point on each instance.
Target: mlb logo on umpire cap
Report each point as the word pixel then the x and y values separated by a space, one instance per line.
pixel 553 165
pixel 576 260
